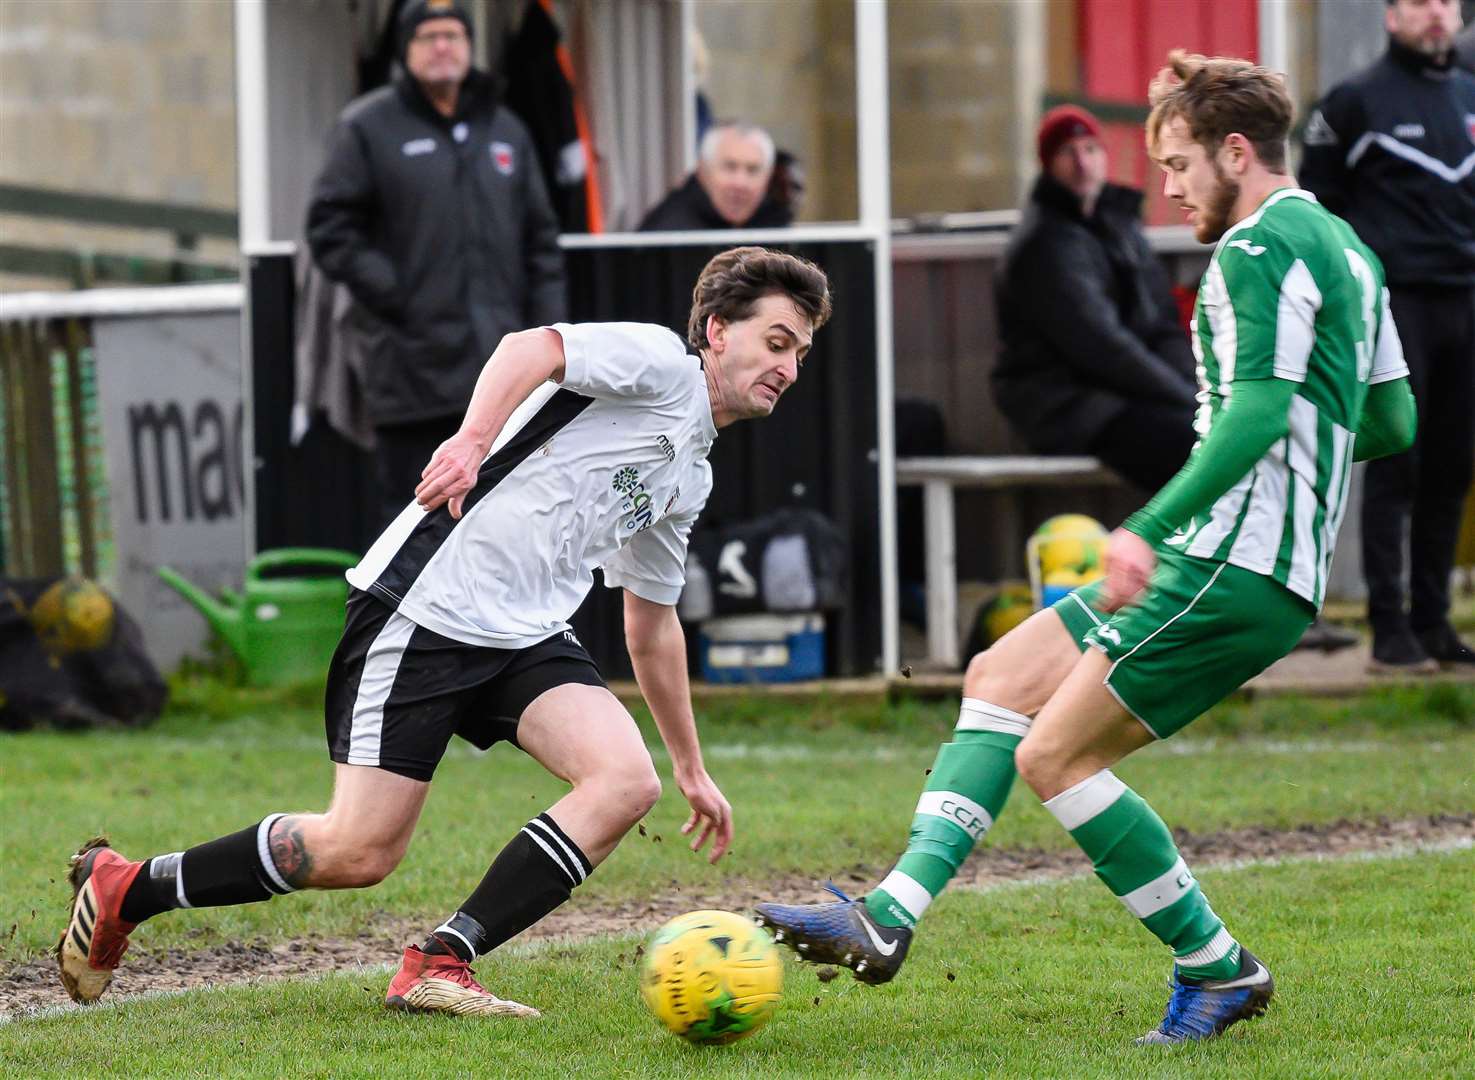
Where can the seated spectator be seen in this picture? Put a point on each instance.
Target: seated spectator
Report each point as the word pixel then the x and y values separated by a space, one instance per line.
pixel 1093 358
pixel 786 186
pixel 729 189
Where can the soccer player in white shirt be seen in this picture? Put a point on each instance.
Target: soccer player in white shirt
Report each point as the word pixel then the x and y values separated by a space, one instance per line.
pixel 584 447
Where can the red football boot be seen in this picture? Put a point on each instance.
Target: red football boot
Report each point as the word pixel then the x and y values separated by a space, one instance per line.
pixel 432 982
pixel 96 937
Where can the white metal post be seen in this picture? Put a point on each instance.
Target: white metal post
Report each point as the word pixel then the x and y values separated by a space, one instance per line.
pixel 253 184
pixel 252 175
pixel 1274 44
pixel 687 21
pixel 873 136
pixel 942 571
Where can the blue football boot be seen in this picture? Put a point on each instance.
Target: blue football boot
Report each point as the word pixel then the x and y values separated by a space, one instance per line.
pixel 839 933
pixel 1201 1009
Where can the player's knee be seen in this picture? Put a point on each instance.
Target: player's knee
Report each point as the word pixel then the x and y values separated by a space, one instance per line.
pixel 350 860
pixel 630 789
pixel 979 667
pixel 990 680
pixel 1036 766
pixel 361 868
pixel 644 793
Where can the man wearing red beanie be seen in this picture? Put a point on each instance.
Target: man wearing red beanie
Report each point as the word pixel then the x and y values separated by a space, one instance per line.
pixel 1093 358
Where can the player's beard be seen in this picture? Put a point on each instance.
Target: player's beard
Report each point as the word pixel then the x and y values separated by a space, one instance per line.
pixel 1214 219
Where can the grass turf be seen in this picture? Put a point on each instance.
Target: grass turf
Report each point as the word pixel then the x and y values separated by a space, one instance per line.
pixel 1035 981
pixel 818 789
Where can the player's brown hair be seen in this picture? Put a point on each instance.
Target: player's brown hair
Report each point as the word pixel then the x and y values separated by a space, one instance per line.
pixel 1220 96
pixel 733 282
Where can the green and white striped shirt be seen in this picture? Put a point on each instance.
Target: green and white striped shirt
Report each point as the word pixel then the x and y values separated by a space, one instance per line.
pixel 1291 293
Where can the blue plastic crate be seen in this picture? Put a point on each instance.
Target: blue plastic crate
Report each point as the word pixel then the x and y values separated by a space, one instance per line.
pixel 763 648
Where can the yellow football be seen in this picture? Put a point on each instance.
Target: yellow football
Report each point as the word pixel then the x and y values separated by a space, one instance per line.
pixel 1072 542
pixel 711 976
pixel 73 615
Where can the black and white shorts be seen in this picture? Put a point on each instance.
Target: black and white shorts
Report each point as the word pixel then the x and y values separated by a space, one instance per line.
pixel 397 692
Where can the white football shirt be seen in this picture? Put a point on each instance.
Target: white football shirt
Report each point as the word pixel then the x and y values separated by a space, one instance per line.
pixel 608 469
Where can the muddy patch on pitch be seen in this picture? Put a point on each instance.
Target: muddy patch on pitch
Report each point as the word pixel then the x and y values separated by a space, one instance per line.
pixel 33 986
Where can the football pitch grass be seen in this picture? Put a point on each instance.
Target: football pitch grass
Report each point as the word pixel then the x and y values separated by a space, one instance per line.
pixel 1371 958
pixel 1049 979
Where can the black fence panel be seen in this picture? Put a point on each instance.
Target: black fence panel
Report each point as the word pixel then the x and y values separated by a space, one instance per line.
pixel 319 493
pixel 817 450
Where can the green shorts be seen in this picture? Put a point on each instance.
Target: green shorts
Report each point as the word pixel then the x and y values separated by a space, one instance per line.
pixel 1200 632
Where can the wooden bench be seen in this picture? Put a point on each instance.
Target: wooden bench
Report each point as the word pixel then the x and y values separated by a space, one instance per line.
pixel 938 476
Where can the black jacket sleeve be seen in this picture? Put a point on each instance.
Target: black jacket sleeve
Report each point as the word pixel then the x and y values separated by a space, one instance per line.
pixel 339 230
pixel 1168 339
pixel 1331 131
pixel 1067 288
pixel 547 298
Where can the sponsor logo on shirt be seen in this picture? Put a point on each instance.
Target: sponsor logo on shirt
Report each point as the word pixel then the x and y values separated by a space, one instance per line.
pixel 416 147
pixel 502 157
pixel 637 501
pixel 1319 132
pixel 1247 247
pixel 1408 131
pixel 666 447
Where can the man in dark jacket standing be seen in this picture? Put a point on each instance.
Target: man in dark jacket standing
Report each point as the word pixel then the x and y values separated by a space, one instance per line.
pixel 1093 358
pixel 431 209
pixel 728 190
pixel 1392 150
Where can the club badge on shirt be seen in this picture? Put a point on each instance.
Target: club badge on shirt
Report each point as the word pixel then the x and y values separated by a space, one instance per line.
pixel 502 158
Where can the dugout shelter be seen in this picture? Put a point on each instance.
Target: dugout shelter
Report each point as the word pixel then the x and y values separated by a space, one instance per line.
pixel 197 381
pixel 828 448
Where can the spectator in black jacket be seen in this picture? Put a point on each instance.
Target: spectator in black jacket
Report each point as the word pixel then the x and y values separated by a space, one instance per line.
pixel 729 189
pixel 1392 150
pixel 432 210
pixel 1093 358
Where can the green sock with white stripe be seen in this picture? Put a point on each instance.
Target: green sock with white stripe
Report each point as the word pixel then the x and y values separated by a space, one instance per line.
pixel 965 792
pixel 1135 856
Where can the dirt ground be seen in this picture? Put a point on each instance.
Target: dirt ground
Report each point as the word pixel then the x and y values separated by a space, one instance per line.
pixel 33 985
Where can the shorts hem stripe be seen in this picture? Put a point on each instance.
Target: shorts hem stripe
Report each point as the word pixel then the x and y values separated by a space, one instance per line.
pixel 1086 608
pixel 1112 690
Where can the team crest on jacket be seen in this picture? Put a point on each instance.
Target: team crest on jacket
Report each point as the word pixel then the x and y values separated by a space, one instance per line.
pixel 502 157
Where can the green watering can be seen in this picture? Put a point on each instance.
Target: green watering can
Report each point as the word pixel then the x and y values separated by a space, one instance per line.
pixel 285 627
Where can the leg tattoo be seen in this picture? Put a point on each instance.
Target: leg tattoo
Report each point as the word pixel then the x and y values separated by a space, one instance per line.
pixel 289 851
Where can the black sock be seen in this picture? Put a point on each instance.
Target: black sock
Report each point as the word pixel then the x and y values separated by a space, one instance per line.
pixel 457 937
pixel 218 873
pixel 530 877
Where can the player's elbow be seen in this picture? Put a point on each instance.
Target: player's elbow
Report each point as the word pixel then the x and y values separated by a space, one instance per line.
pixel 652 648
pixel 539 349
pixel 1404 434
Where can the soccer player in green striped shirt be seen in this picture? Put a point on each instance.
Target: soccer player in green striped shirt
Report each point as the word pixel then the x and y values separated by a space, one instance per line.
pixel 1300 374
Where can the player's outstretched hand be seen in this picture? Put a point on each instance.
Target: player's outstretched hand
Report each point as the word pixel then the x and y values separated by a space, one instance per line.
pixel 1130 562
pixel 451 474
pixel 711 816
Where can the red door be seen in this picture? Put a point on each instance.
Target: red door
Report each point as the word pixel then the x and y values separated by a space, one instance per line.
pixel 1122 45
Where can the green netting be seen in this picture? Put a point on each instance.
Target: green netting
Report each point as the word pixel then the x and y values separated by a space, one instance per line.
pixel 74 479
pixel 91 477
